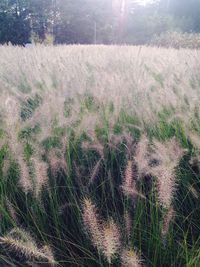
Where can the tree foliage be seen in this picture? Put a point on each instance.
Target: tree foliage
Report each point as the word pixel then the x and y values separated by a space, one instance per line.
pixel 95 21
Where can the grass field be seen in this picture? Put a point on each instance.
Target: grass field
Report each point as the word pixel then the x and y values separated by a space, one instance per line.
pixel 99 156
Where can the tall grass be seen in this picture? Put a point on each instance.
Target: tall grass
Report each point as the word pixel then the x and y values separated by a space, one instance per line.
pixel 177 40
pixel 99 156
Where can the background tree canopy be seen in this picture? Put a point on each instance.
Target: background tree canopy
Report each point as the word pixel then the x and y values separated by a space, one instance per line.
pixel 95 21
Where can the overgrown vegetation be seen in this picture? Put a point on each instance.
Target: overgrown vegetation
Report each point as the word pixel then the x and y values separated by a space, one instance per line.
pixel 177 40
pixel 99 158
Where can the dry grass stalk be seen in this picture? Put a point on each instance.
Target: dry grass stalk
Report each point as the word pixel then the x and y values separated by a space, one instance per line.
pixel 111 240
pixel 12 123
pixel 57 161
pixel 128 224
pixel 95 171
pixel 6 166
pixel 105 236
pixel 25 180
pixel 40 174
pixel 77 170
pixel 20 242
pixel 129 178
pixel 129 182
pixel 11 210
pixel 130 258
pixel 141 155
pixel 115 140
pixel 144 103
pixel 168 217
pixel 193 191
pixel 160 160
pixel 195 139
pixel 167 156
pixel 92 223
pixel 132 193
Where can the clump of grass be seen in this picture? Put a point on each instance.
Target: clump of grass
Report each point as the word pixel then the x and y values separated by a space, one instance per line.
pixel 104 172
pixel 160 160
pixel 20 242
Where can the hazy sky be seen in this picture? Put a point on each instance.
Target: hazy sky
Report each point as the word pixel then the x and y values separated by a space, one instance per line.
pixel 144 2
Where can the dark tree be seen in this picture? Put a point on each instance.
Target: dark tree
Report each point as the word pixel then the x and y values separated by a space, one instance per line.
pixel 14 21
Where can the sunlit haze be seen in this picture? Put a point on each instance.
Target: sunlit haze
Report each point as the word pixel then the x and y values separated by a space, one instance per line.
pixel 144 2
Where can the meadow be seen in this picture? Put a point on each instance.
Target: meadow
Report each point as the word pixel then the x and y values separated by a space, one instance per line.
pixel 99 156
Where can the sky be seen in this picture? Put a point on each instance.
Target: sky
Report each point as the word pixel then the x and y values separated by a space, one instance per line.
pixel 144 2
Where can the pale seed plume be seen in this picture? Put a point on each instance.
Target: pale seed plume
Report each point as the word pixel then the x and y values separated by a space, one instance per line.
pixel 11 210
pixel 160 160
pixel 25 180
pixel 40 174
pixel 12 124
pixel 95 171
pixel 195 139
pixel 21 242
pixel 6 165
pixel 57 161
pixel 141 155
pixel 168 218
pixel 128 224
pixel 129 182
pixel 193 191
pixel 92 223
pixel 105 236
pixel 111 240
pixel 130 258
pixel 167 155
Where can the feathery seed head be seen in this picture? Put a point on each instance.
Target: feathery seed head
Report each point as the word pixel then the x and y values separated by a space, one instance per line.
pixel 130 258
pixel 57 161
pixel 129 182
pixel 128 175
pixel 95 171
pixel 25 180
pixel 40 174
pixel 128 224
pixel 91 223
pixel 168 217
pixel 141 155
pixel 111 240
pixel 167 155
pixel 21 242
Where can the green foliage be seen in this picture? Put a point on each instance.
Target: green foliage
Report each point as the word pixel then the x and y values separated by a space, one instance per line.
pixel 29 106
pixel 51 142
pixel 28 151
pixel 99 21
pixel 60 226
pixel 28 133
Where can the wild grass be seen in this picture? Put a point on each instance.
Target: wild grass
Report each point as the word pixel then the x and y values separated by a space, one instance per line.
pixel 177 40
pixel 99 156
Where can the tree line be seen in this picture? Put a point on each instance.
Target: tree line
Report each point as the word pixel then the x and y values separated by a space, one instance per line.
pixel 94 21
